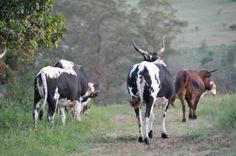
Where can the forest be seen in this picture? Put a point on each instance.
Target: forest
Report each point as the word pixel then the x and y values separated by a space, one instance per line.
pixel 98 35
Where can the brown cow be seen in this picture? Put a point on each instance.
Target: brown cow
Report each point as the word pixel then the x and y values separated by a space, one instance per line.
pixel 189 86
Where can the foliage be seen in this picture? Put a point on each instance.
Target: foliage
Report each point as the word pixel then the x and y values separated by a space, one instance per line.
pixel 25 27
pixel 229 65
pixel 18 133
pixel 101 39
pixel 114 126
pixel 232 27
pixel 208 54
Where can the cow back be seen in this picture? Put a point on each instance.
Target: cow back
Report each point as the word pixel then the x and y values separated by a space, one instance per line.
pixel 82 78
pixel 189 81
pixel 166 82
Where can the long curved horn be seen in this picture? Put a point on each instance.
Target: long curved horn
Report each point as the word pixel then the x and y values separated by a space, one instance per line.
pixel 4 52
pixel 211 71
pixel 162 47
pixel 141 51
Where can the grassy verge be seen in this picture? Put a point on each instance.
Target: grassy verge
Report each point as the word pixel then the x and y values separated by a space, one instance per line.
pixel 112 130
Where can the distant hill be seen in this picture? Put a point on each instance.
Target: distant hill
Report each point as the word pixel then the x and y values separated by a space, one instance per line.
pixel 209 22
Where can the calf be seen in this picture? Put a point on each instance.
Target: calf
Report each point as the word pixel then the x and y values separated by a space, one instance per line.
pixel 148 82
pixel 54 84
pixel 190 85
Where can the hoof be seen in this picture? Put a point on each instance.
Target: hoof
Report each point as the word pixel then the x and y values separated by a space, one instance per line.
pixel 140 139
pixel 164 135
pixel 147 142
pixel 150 134
pixel 183 120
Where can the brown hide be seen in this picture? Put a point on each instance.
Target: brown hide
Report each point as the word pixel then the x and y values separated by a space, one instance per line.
pixel 189 86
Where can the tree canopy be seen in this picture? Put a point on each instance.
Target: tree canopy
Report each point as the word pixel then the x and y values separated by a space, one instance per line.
pixel 26 26
pixel 100 35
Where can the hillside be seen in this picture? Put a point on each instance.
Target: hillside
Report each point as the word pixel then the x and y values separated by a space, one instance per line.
pixel 208 20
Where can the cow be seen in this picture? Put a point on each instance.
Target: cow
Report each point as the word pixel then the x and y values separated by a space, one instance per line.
pixel 91 90
pixel 190 86
pixel 148 82
pixel 54 84
pixel 2 66
pixel 3 53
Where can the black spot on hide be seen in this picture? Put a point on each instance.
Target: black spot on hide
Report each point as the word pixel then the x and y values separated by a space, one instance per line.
pixel 195 84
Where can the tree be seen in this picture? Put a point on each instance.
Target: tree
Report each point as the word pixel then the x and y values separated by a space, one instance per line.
pixel 25 27
pixel 100 35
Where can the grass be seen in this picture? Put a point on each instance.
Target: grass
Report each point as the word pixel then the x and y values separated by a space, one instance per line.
pixel 113 129
pixel 209 21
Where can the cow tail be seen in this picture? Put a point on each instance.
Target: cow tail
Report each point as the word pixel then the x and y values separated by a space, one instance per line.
pixel 45 94
pixel 140 85
pixel 185 77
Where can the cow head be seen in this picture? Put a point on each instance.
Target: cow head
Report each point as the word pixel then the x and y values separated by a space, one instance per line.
pixel 213 88
pixel 91 93
pixel 148 56
pixel 206 77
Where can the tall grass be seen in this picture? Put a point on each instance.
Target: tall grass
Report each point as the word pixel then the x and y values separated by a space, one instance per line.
pixel 110 124
pixel 18 137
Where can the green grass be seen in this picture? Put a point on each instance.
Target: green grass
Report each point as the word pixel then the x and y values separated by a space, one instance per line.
pixel 208 20
pixel 113 129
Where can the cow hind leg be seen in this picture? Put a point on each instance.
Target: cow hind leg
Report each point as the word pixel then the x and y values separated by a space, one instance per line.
pixel 183 108
pixel 163 119
pixel 139 119
pixel 52 105
pixel 152 116
pixel 190 116
pixel 149 109
pixel 36 113
pixel 194 109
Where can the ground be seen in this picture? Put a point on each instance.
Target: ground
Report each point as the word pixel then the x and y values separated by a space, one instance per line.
pixel 193 138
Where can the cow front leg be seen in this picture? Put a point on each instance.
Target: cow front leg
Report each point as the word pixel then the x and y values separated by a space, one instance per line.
pixel 139 119
pixel 195 108
pixel 77 110
pixel 63 115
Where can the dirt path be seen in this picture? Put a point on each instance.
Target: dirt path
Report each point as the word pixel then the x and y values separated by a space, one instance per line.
pixel 194 138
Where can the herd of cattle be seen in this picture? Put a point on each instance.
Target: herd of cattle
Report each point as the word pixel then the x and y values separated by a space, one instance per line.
pixel 65 85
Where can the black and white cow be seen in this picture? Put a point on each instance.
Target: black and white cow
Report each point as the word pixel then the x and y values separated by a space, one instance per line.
pixel 150 82
pixel 54 84
pixel 91 90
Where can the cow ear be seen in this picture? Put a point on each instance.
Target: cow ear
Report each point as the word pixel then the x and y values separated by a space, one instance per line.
pixel 96 85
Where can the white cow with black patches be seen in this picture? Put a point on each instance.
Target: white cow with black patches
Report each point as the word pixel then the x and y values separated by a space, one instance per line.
pixel 54 84
pixel 150 82
pixel 91 89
